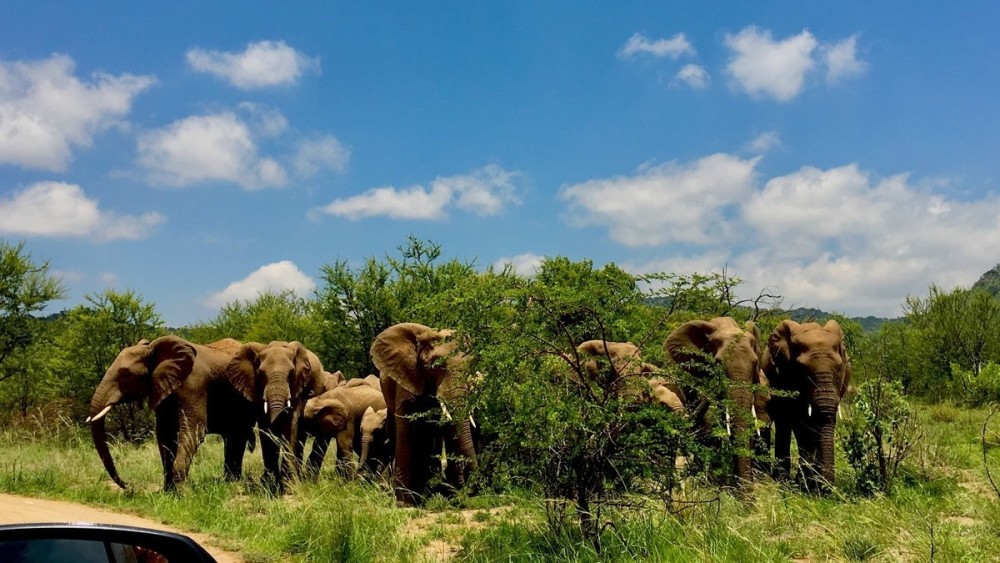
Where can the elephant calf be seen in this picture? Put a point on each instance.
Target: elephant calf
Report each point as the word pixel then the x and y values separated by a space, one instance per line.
pixel 338 414
pixel 375 450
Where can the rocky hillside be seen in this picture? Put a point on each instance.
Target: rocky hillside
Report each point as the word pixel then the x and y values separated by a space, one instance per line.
pixel 990 281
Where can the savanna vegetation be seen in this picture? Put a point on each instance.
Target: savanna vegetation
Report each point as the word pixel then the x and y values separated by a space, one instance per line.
pixel 571 467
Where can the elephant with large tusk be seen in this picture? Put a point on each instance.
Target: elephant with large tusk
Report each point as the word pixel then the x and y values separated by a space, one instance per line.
pixel 810 363
pixel 188 389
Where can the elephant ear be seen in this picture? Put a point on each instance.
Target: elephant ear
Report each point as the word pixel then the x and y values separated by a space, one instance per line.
pixel 750 328
pixel 687 340
pixel 834 326
pixel 172 359
pixel 241 368
pixel 394 353
pixel 779 344
pixel 304 380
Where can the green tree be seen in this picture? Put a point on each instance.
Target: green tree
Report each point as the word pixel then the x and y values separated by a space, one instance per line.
pixel 271 316
pixel 26 288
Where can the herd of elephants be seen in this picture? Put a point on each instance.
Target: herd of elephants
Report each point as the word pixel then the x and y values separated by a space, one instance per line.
pixel 281 389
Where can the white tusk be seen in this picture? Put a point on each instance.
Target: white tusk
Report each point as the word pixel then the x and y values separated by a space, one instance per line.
pixel 777 371
pixel 265 407
pixel 753 411
pixel 288 404
pixel 839 416
pixel 472 421
pixel 729 431
pixel 444 410
pixel 809 412
pixel 99 415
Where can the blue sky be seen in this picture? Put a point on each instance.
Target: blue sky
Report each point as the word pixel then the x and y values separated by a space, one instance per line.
pixel 845 157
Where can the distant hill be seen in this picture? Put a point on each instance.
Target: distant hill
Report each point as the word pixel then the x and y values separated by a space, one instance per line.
pixel 990 281
pixel 806 314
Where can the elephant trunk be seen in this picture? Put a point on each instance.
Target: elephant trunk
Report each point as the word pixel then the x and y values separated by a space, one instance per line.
pixel 741 395
pixel 824 404
pixel 366 443
pixel 825 452
pixel 104 398
pixel 274 404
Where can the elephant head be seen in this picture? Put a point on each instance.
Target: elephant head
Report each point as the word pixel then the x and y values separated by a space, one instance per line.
pixel 281 373
pixel 667 393
pixel 328 414
pixel 626 376
pixel 811 362
pixel 147 370
pixel 374 432
pixel 416 357
pixel 735 348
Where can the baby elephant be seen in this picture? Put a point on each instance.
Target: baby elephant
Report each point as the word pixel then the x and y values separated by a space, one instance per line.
pixel 337 414
pixel 375 451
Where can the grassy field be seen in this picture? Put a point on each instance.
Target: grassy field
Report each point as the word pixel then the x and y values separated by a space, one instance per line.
pixel 942 509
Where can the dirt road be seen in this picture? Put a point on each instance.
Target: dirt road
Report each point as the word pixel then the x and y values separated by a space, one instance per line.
pixel 16 510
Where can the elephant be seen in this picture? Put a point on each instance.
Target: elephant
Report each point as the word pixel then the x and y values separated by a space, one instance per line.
pixel 332 380
pixel 375 452
pixel 337 414
pixel 371 380
pixel 735 348
pixel 664 392
pixel 188 388
pixel 810 363
pixel 282 377
pixel 422 381
pixel 629 375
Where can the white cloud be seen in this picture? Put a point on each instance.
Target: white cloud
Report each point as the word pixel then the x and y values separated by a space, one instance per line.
pixel 526 264
pixel 46 112
pixel 674 47
pixel 694 76
pixel 668 203
pixel 217 147
pixel 485 192
pixel 109 279
pixel 761 66
pixel 274 277
pixel 764 142
pixel 842 240
pixel 323 152
pixel 57 209
pixel 265 121
pixel 262 64
pixel 842 60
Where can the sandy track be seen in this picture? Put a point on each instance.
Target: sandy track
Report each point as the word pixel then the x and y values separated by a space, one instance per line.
pixel 17 510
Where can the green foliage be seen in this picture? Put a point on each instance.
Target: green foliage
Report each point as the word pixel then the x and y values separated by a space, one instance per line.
pixel 989 281
pixel 980 388
pixel 878 434
pixel 25 289
pixel 271 316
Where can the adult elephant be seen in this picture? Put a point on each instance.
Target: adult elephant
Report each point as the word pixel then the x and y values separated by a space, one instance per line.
pixel 735 348
pixel 282 376
pixel 337 414
pixel 188 388
pixel 425 394
pixel 809 363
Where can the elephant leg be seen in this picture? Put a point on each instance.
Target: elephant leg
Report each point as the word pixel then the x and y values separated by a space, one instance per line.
pixel 235 447
pixel 345 454
pixel 805 439
pixel 782 448
pixel 270 450
pixel 166 441
pixel 191 435
pixel 316 455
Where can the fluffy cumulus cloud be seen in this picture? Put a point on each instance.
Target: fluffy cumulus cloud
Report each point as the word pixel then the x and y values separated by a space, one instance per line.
pixel 842 239
pixel 674 47
pixel 484 192
pixel 274 277
pixel 206 148
pixel 694 76
pixel 46 112
pixel 673 202
pixel 57 209
pixel 763 67
pixel 261 65
pixel 841 60
pixel 526 264
pixel 764 142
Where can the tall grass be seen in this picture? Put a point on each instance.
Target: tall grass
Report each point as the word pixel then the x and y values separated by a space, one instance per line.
pixel 941 505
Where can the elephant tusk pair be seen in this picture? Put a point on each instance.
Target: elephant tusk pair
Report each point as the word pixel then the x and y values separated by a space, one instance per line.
pixel 99 415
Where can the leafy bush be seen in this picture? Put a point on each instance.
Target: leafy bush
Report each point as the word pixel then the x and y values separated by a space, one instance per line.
pixel 878 434
pixel 982 388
